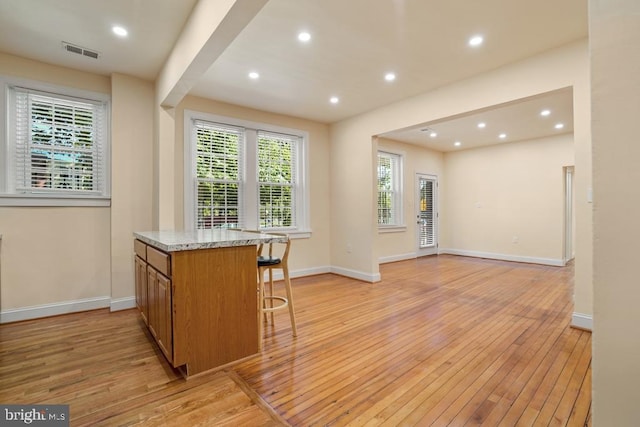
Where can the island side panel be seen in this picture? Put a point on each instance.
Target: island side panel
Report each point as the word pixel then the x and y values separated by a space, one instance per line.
pixel 215 306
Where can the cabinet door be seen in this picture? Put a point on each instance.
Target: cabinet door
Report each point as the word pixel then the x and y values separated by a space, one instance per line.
pixel 141 288
pixel 164 330
pixel 152 300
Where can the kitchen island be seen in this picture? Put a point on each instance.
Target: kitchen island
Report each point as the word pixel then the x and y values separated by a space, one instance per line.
pixel 197 294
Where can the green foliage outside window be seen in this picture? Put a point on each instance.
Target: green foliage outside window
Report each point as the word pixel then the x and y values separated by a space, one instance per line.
pixel 218 174
pixel 385 190
pixel 276 156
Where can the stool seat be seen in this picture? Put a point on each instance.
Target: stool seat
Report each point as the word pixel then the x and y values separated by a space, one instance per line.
pixel 264 261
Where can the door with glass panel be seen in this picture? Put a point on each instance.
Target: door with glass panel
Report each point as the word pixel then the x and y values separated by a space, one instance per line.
pixel 427 214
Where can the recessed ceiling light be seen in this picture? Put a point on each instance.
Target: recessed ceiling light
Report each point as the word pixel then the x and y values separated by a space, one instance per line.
pixel 545 113
pixel 476 41
pixel 502 136
pixel 334 100
pixel 559 126
pixel 433 134
pixel 119 31
pixel 253 75
pixel 457 143
pixel 390 77
pixel 482 125
pixel 304 36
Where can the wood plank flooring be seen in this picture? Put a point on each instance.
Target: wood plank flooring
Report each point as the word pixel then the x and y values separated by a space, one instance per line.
pixel 439 341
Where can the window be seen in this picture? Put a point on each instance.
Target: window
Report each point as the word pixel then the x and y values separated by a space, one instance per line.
pixel 277 161
pixel 243 175
pixel 219 171
pixel 56 148
pixel 389 189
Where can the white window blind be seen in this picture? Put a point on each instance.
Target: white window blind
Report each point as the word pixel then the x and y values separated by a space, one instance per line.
pixel 60 144
pixel 243 174
pixel 277 179
pixel 427 224
pixel 389 189
pixel 219 175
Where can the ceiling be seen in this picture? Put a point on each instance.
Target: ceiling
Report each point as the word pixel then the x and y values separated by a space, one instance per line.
pixel 515 121
pixel 353 44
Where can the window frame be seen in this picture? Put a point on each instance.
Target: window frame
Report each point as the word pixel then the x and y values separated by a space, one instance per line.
pixel 250 202
pixel 397 191
pixel 8 194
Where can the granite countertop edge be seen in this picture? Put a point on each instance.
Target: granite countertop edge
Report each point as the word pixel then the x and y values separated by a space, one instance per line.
pixel 174 241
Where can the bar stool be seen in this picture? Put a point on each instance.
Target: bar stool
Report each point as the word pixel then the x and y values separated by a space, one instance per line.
pixel 269 263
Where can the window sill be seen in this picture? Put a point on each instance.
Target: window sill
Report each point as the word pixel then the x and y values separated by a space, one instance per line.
pixel 392 229
pixel 46 200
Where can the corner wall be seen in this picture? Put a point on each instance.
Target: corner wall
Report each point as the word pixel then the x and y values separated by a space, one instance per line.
pixel 132 102
pixel 614 28
pixel 403 244
pixel 507 201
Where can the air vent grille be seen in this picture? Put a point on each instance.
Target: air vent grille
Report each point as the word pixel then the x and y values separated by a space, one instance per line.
pixel 79 50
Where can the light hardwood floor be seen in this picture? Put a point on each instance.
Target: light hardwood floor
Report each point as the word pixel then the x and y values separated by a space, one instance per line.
pixel 439 341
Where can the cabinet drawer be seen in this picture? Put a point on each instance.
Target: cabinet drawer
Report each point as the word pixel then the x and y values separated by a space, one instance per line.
pixel 140 249
pixel 159 260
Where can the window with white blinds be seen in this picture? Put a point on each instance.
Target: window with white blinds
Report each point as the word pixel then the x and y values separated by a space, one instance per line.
pixel 219 172
pixel 389 189
pixel 277 162
pixel 244 175
pixel 57 146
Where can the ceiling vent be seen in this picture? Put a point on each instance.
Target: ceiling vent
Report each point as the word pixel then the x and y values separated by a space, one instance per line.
pixel 80 50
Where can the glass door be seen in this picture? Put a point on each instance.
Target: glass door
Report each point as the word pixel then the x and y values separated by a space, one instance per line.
pixel 427 215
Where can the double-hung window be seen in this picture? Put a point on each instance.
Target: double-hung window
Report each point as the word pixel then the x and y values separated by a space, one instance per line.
pixel 241 174
pixel 277 179
pixel 55 150
pixel 389 189
pixel 219 171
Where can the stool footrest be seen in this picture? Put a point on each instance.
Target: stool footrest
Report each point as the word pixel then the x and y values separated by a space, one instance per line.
pixel 285 303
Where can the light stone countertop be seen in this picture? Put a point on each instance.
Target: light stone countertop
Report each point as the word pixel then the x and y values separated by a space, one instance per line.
pixel 173 241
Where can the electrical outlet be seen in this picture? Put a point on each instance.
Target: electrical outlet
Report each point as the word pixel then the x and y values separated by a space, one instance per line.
pixel 348 248
pixel 515 239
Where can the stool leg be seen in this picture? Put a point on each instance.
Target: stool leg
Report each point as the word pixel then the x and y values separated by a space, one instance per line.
pixel 271 293
pixel 261 311
pixel 292 314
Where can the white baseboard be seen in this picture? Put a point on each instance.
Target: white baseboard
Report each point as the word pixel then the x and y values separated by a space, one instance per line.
pixel 394 258
pixel 371 278
pixel 125 303
pixel 46 310
pixel 310 271
pixel 323 270
pixel 504 257
pixel 300 273
pixel 115 304
pixel 582 321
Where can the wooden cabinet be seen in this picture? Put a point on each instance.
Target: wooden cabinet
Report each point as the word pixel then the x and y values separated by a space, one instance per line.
pixel 153 295
pixel 201 304
pixel 141 288
pixel 164 329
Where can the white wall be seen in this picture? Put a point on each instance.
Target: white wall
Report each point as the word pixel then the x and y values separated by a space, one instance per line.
pixel 56 258
pixel 403 244
pixel 495 195
pixel 132 103
pixel 614 28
